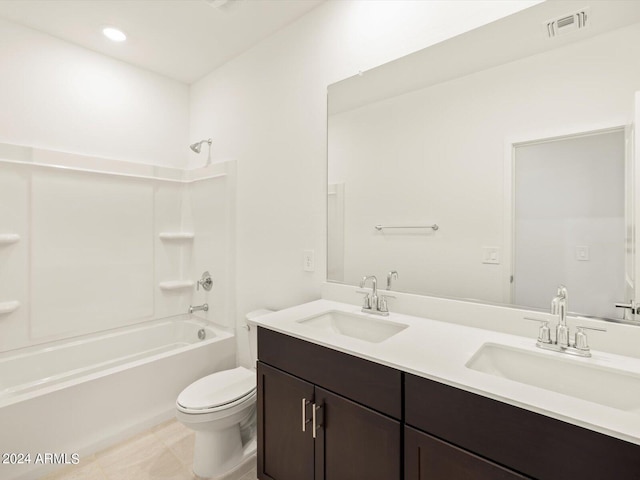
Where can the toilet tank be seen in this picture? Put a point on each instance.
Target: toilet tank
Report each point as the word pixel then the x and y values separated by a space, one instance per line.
pixel 253 332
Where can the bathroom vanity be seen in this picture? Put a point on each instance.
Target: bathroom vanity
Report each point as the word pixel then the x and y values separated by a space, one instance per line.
pixel 335 406
pixel 361 401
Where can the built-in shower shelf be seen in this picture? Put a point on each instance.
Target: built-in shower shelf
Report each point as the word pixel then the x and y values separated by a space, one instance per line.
pixel 177 236
pixel 176 285
pixel 9 238
pixel 9 307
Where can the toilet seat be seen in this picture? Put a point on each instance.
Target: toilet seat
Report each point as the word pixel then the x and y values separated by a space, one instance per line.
pixel 218 391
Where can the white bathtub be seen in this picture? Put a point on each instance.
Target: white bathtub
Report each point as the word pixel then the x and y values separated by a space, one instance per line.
pixel 81 395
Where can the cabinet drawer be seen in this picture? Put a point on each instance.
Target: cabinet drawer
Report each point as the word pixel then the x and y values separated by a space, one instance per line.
pixel 428 458
pixel 537 445
pixel 370 384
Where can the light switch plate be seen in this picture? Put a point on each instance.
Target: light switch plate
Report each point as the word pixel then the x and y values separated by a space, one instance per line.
pixel 491 255
pixel 582 253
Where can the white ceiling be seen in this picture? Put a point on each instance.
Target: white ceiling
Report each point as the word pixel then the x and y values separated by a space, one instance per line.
pixel 182 39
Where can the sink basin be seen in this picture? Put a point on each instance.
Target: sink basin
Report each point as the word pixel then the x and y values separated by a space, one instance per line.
pixel 594 383
pixel 369 329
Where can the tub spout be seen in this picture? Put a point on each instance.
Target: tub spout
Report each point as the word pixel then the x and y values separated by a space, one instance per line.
pixel 196 308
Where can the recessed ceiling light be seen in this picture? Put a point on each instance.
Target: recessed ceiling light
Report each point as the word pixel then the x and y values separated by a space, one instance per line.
pixel 114 34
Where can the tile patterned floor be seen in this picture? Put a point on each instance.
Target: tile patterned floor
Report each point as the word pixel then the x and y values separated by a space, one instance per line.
pixel 163 453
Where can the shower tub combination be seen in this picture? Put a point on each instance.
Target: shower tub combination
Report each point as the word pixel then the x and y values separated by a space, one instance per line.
pixel 81 395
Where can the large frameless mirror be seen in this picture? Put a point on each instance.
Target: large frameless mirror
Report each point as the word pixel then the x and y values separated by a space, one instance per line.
pixel 496 165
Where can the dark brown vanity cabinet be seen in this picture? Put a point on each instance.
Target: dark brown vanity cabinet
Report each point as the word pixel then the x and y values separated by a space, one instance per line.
pixel 377 423
pixel 358 433
pixel 524 442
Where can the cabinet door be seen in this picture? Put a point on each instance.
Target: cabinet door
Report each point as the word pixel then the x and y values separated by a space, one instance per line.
pixel 355 442
pixel 285 452
pixel 427 458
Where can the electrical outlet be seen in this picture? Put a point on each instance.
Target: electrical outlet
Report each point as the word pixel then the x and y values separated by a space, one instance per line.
pixel 308 262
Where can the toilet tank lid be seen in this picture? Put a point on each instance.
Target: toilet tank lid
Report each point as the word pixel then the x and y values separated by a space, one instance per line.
pixel 257 313
pixel 218 389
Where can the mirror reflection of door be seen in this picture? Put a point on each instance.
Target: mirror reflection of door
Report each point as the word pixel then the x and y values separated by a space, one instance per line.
pixel 569 222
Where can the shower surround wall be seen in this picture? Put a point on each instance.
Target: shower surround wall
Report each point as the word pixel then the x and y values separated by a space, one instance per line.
pixel 103 244
pixel 58 96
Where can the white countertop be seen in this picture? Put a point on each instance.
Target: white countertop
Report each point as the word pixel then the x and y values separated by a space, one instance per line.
pixel 439 351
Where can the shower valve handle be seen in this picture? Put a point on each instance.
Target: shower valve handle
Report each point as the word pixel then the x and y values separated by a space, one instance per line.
pixel 206 281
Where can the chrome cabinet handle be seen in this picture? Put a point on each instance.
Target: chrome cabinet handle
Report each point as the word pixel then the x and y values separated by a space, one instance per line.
pixel 313 415
pixel 305 402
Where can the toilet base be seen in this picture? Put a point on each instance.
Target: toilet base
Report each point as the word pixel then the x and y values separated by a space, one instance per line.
pixel 222 437
pixel 216 451
pixel 246 463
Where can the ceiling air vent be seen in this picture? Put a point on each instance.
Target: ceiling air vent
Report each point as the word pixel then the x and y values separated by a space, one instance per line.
pixel 568 23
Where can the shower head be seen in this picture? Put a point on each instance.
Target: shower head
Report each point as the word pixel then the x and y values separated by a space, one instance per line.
pixel 196 147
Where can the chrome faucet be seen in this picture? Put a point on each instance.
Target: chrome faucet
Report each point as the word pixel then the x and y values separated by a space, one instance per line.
pixel 580 345
pixel 559 308
pixel 372 302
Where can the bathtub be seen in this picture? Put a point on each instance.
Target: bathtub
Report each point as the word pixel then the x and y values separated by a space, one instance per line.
pixel 84 394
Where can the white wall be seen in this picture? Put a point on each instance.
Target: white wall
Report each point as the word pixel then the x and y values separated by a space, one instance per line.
pixel 267 110
pixel 437 155
pixel 59 96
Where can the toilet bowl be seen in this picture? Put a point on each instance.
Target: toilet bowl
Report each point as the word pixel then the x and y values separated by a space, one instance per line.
pixel 218 407
pixel 221 409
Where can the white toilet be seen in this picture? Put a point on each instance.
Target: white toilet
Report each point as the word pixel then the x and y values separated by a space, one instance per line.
pixel 221 408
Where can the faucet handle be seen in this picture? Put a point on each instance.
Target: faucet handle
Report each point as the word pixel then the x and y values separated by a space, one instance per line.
pixel 205 281
pixel 366 303
pixel 632 306
pixel 382 302
pixel 581 342
pixel 544 333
